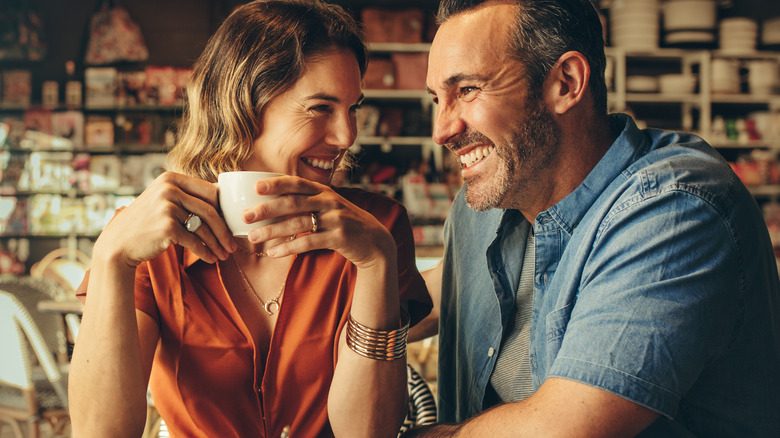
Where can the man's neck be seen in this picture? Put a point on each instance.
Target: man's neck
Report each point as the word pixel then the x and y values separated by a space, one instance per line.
pixel 583 143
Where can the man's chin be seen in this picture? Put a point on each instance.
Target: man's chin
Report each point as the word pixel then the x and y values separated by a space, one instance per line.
pixel 478 200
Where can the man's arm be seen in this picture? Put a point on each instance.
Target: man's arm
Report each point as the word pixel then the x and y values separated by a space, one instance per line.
pixel 560 408
pixel 430 325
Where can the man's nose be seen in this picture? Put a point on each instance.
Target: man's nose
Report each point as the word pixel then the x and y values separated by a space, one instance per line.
pixel 448 124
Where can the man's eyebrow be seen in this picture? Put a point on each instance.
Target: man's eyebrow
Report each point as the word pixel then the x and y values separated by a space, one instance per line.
pixel 454 79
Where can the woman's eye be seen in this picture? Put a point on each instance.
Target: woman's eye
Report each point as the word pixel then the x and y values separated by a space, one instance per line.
pixel 321 108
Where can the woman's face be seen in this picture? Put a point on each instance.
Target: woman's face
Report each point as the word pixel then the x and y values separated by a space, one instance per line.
pixel 306 130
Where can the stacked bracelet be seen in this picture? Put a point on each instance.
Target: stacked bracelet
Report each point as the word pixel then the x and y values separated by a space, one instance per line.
pixel 378 344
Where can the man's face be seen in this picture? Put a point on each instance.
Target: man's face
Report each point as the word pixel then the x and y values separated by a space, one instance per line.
pixel 504 138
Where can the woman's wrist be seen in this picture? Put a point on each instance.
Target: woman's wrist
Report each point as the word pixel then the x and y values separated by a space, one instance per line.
pixel 385 254
pixel 108 256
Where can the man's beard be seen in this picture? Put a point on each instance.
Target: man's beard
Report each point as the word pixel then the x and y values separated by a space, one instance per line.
pixel 530 149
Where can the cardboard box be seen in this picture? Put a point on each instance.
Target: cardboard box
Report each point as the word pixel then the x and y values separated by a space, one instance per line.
pixel 101 86
pixel 380 74
pixel 69 125
pixel 17 87
pixel 410 70
pixel 162 85
pixel 98 132
pixel 393 26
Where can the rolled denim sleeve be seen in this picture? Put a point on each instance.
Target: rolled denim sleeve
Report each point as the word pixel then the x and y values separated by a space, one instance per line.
pixel 656 299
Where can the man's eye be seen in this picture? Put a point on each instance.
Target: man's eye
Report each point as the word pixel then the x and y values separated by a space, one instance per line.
pixel 467 90
pixel 320 108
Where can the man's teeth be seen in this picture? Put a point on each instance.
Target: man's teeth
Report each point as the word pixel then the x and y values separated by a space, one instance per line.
pixel 476 155
pixel 322 164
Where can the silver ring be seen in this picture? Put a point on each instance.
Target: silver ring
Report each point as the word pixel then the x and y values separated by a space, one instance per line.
pixel 314 223
pixel 192 223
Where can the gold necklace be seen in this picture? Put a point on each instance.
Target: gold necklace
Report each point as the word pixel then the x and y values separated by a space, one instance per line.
pixel 272 305
pixel 258 254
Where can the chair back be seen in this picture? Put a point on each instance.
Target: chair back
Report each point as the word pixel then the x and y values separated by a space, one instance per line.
pixel 65 266
pixel 422 404
pixel 18 336
pixel 29 291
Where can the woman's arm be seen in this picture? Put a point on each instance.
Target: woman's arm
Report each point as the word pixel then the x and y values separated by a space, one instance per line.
pixel 368 397
pixel 112 358
pixel 113 355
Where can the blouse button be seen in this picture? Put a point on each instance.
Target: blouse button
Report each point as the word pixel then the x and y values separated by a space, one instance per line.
pixel 491 351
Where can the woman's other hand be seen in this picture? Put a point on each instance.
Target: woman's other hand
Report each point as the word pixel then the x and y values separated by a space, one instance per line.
pixel 156 220
pixel 340 225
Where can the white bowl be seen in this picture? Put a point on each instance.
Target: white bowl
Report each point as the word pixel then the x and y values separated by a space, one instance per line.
pixel 642 84
pixel 682 36
pixel 738 23
pixel 677 83
pixel 641 27
pixel 641 42
pixel 689 14
pixel 633 17
pixel 772 37
pixel 738 34
pixel 637 5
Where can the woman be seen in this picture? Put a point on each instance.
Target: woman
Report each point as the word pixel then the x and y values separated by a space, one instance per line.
pixel 185 308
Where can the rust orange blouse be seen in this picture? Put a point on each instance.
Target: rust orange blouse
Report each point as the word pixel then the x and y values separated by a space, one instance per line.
pixel 204 380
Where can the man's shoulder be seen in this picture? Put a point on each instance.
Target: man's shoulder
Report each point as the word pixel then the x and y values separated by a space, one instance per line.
pixel 684 161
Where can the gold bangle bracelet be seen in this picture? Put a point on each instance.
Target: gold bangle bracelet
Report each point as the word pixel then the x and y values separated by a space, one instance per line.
pixel 378 344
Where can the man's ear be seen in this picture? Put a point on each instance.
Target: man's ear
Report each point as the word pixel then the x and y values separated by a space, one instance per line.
pixel 567 82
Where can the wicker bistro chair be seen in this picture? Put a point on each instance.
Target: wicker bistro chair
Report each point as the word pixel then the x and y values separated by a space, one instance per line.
pixel 30 291
pixel 33 385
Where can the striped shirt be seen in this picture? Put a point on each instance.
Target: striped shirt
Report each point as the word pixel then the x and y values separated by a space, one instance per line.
pixel 511 378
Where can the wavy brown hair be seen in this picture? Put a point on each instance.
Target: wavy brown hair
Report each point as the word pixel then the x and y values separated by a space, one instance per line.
pixel 258 53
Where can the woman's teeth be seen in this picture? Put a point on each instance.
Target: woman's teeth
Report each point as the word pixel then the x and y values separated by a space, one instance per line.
pixel 322 164
pixel 476 155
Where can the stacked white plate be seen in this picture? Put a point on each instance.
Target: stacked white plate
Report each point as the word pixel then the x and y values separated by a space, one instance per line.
pixel 725 76
pixel 689 21
pixel 738 35
pixel 770 32
pixel 634 24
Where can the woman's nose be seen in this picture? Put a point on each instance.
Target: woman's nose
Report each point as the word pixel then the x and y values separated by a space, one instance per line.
pixel 343 131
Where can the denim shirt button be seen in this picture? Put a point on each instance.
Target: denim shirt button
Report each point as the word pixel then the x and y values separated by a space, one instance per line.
pixel 491 351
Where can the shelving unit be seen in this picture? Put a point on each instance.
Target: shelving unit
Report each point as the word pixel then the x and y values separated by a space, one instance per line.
pixel 698 63
pixel 79 205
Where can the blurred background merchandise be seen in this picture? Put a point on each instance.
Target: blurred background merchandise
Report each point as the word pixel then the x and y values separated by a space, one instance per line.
pixel 85 123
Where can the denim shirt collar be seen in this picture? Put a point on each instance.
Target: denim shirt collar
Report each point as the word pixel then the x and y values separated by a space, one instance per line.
pixel 568 212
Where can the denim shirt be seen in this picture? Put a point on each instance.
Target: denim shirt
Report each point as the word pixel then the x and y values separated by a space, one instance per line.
pixel 655 280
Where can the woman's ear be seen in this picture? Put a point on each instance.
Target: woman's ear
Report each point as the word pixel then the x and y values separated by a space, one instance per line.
pixel 567 82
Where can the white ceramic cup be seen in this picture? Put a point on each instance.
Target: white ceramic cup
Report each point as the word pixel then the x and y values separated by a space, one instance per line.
pixel 237 193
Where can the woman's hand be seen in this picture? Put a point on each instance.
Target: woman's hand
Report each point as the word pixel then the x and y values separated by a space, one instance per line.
pixel 155 220
pixel 341 226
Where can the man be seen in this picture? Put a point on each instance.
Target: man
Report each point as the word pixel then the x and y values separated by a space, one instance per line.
pixel 598 280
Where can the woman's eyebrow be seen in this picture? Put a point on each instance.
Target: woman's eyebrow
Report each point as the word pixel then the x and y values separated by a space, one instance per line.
pixel 330 98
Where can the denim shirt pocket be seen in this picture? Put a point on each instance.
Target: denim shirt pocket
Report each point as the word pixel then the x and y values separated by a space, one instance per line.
pixel 556 322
